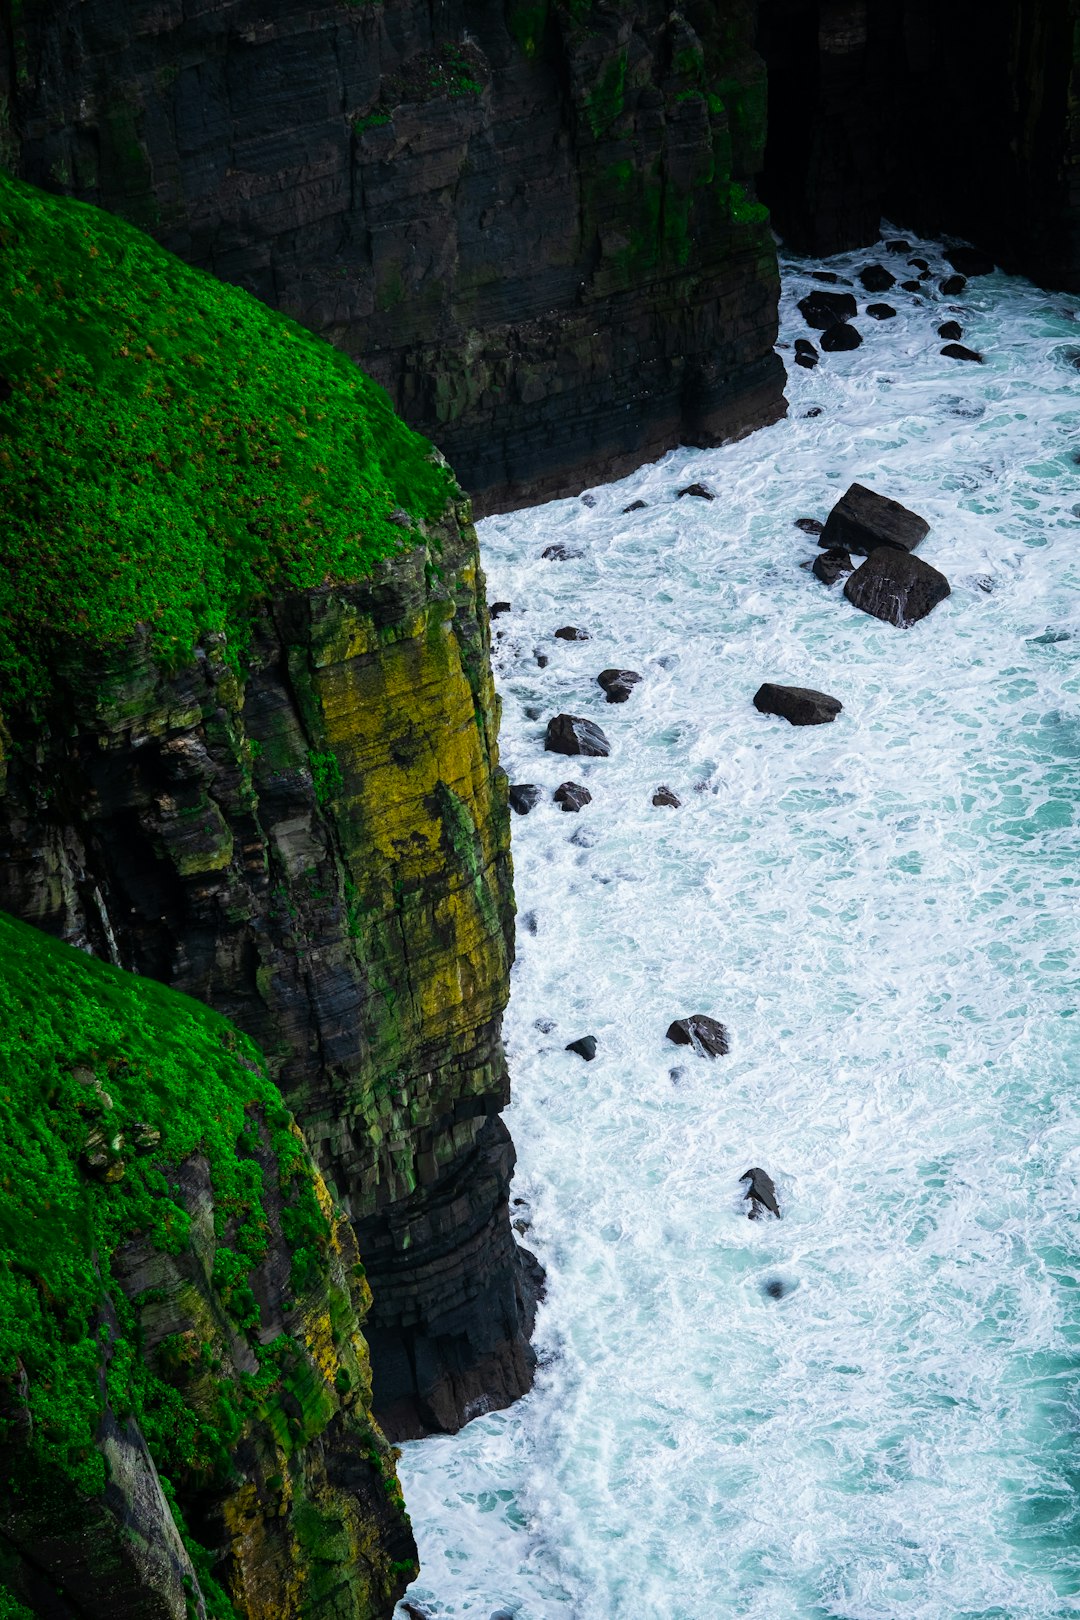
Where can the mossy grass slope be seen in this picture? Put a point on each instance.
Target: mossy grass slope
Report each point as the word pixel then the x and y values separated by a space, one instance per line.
pixel 88 1053
pixel 171 450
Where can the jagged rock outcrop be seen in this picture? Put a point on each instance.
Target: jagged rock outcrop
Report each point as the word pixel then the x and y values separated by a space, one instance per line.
pixel 185 1391
pixel 960 118
pixel 532 220
pixel 298 819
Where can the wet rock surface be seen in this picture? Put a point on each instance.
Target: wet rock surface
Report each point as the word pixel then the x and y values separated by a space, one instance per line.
pixel 831 565
pixel 862 520
pixel 571 734
pixel 584 1047
pixel 959 351
pixel 840 339
pixel 800 705
pixel 572 797
pixel 895 586
pixel 703 1033
pixel 822 310
pixel 760 1194
pixel 664 797
pixel 525 796
pixel 618 684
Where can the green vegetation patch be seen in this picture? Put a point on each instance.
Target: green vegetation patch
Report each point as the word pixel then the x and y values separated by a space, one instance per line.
pixel 108 1081
pixel 171 450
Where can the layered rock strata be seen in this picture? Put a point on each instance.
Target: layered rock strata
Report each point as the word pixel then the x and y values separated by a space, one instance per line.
pixel 960 118
pixel 319 848
pixel 533 221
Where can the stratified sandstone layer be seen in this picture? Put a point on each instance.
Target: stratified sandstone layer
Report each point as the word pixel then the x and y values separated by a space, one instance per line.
pixel 962 118
pixel 533 221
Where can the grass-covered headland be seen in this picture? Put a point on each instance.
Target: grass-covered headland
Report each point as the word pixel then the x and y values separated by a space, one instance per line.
pixel 171 450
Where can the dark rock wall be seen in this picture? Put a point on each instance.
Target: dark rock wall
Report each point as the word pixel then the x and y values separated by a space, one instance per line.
pixel 533 221
pixel 318 847
pixel 962 118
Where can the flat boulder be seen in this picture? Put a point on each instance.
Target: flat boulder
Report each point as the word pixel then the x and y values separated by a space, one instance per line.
pixel 497 609
pixel 618 683
pixel 968 261
pixel 822 310
pixel 560 553
pixel 911 286
pixel 801 705
pixel 829 565
pixel 809 525
pixel 701 1032
pixel 896 587
pixel 951 330
pixel 840 338
pixel 875 278
pixel 760 1194
pixel 635 506
pixel 881 312
pixel 525 796
pixel 572 797
pixel 701 491
pixel 664 796
pixel 570 734
pixel 958 351
pixel 570 632
pixel 862 520
pixel 584 1047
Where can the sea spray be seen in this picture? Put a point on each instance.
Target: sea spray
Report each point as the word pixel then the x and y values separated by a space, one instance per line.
pixel 869 1408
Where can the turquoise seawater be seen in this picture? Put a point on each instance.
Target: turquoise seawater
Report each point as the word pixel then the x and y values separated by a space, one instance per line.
pixel 883 911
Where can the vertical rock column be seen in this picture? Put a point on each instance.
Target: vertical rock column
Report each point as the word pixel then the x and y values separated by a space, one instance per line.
pixel 318 847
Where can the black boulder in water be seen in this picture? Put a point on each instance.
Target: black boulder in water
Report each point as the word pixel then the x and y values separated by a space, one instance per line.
pixel 830 564
pixel 525 796
pixel 822 310
pixel 897 587
pixel 570 734
pixel 840 338
pixel 618 683
pixel 761 1193
pixel 584 1047
pixel 701 1032
pixel 801 705
pixel 862 520
pixel 571 796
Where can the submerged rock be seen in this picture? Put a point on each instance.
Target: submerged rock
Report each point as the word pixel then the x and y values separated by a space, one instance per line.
pixel 618 683
pixel 898 245
pixel 840 338
pixel 701 491
pixel 571 734
pixel 951 286
pixel 664 796
pixel 570 632
pixel 911 286
pixel 969 261
pixel 823 310
pixel 760 1194
pixel 561 553
pixel 862 520
pixel 497 609
pixel 584 1047
pixel 800 705
pixel 895 586
pixel 701 1032
pixel 829 565
pixel 525 796
pixel 957 351
pixel 571 796
pixel 635 506
pixel 950 329
pixel 809 525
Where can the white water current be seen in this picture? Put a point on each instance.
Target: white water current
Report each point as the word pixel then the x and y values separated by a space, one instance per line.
pixel 883 912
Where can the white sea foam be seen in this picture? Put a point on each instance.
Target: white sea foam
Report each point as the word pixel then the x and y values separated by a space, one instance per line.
pixel 883 912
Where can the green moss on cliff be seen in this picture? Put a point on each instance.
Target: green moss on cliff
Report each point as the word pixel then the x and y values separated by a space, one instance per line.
pixel 106 1081
pixel 170 449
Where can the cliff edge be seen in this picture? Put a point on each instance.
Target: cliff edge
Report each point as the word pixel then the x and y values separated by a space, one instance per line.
pixel 250 749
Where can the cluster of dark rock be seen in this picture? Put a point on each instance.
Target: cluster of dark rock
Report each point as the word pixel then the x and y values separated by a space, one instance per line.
pixel 832 312
pixel 892 584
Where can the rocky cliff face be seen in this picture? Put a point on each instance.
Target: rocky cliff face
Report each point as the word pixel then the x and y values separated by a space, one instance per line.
pixel 319 848
pixel 961 117
pixel 297 816
pixel 533 221
pixel 185 1391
